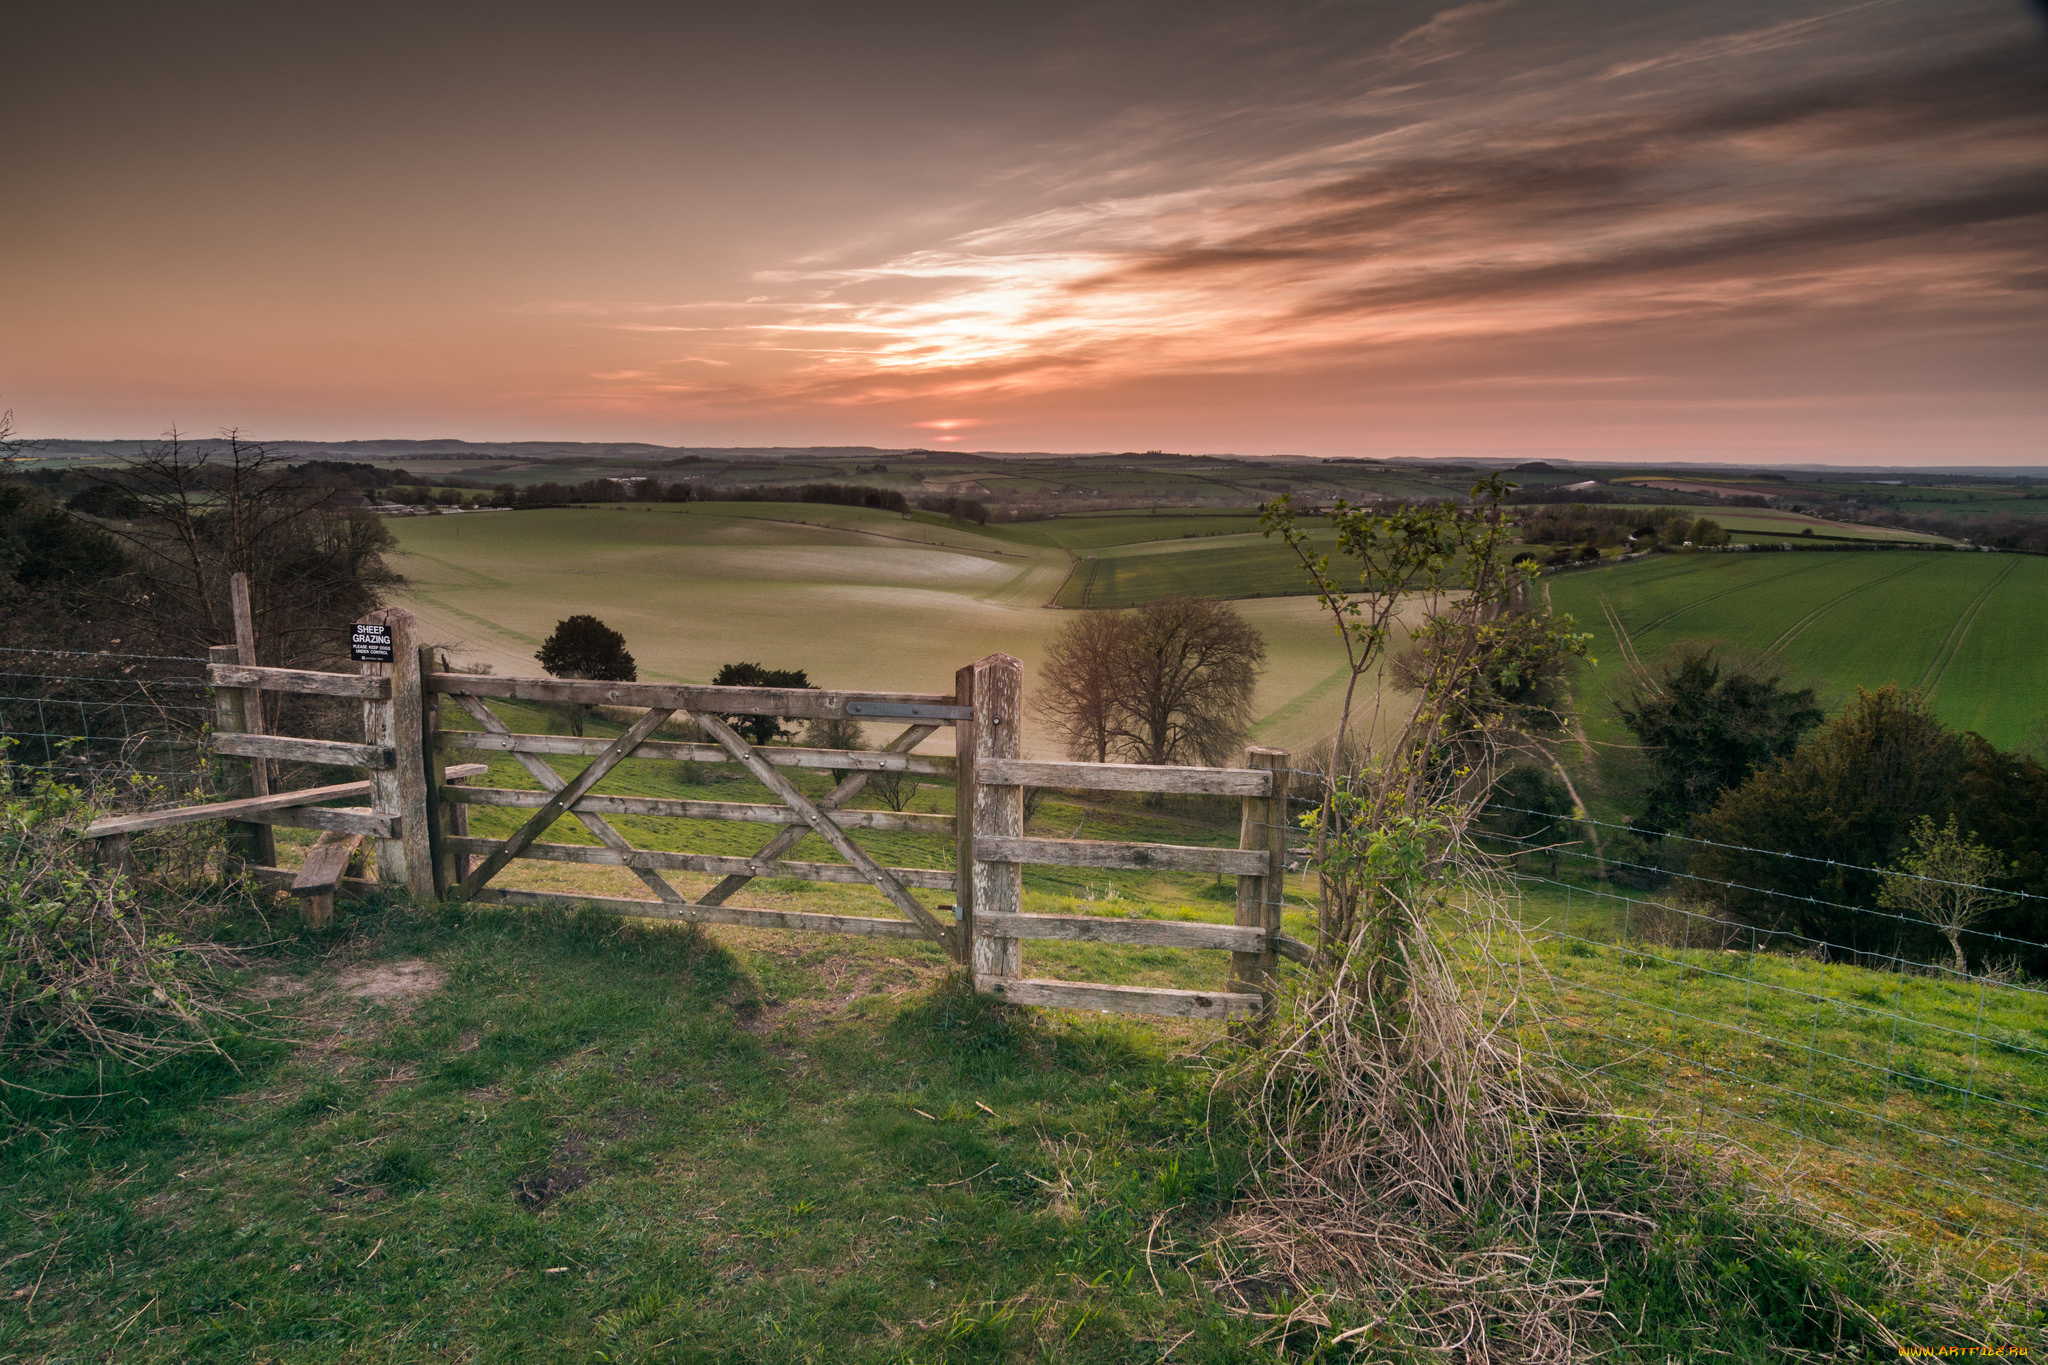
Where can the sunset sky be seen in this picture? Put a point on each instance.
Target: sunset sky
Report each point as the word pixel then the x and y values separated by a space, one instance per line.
pixel 1732 231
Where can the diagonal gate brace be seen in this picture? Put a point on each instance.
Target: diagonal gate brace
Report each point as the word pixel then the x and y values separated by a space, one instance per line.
pixel 765 773
pixel 563 799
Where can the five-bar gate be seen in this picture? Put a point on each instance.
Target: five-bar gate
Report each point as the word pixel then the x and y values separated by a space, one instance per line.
pixel 418 813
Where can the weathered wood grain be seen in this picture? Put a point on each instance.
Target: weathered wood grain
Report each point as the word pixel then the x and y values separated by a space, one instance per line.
pixel 299 680
pixel 249 807
pixel 332 752
pixel 679 809
pixel 965 739
pixel 930 879
pixel 1074 995
pixel 371 824
pixel 1153 933
pixel 253 842
pixel 326 863
pixel 253 723
pixel 795 703
pixel 1262 825
pixel 696 913
pixel 1099 853
pixel 1124 777
pixel 852 760
pixel 996 883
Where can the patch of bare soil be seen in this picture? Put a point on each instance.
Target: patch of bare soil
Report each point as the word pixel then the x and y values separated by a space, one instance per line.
pixel 395 984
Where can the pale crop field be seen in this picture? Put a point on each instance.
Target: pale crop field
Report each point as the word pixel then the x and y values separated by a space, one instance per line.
pixel 859 599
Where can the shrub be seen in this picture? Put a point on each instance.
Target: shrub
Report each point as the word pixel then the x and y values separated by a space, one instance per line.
pixel 88 969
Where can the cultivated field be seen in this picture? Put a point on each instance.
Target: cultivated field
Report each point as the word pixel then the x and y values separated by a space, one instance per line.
pixel 1969 628
pixel 859 598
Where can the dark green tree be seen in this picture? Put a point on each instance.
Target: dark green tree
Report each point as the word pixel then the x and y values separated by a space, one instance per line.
pixel 1852 795
pixel 758 729
pixel 585 647
pixel 1705 724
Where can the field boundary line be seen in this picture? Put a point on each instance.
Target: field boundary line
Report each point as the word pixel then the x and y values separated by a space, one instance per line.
pixel 1938 666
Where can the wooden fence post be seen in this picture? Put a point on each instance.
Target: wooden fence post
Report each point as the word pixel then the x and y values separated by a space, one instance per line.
pixel 401 790
pixel 1260 899
pixel 997 887
pixel 255 841
pixel 434 775
pixel 963 822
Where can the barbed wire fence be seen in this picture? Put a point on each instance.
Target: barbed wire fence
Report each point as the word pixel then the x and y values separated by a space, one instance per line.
pixel 1884 1086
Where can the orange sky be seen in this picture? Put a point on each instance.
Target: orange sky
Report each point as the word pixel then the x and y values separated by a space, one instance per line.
pixel 1773 231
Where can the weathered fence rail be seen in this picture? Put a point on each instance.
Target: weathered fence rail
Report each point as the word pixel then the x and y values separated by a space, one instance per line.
pixel 413 806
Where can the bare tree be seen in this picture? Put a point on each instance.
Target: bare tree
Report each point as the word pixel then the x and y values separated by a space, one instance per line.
pixel 1170 682
pixel 1184 681
pixel 1943 881
pixel 1077 696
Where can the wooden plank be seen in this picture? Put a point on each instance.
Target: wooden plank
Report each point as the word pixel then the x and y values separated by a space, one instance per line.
pixel 792 702
pixel 677 809
pixel 996 882
pixel 407 860
pixel 325 864
pixel 1262 825
pixel 1151 933
pixel 1096 853
pixel 333 753
pixel 552 781
pixel 371 824
pixel 965 738
pixel 695 913
pixel 1293 949
pixel 238 809
pixel 850 760
pixel 252 698
pixel 280 879
pixel 930 879
pixel 1126 777
pixel 822 824
pixel 299 680
pixel 248 806
pixel 1074 995
pixel 561 801
pixel 252 841
pixel 849 787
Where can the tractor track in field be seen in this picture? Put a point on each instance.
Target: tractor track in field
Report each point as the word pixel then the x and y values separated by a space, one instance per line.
pixel 1622 641
pixel 1799 627
pixel 1687 606
pixel 1938 666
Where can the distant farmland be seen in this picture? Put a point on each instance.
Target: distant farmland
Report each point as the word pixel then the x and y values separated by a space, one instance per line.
pixel 860 598
pixel 1970 628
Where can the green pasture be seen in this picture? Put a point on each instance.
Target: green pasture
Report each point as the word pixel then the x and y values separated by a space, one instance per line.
pixel 858 598
pixel 1969 628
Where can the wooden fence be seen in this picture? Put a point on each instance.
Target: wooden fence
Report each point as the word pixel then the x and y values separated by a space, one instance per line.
pixel 417 813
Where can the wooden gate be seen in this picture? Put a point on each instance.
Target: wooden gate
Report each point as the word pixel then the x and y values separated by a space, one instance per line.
pixel 418 813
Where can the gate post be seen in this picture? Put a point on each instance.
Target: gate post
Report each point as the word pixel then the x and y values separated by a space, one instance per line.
pixel 995 688
pixel 253 842
pixel 1260 899
pixel 401 790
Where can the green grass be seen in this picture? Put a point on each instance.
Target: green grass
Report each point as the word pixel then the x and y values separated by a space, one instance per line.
pixel 600 1142
pixel 1967 627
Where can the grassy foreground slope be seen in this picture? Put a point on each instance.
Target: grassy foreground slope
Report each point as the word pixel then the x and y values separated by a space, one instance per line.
pixel 1969 628
pixel 859 598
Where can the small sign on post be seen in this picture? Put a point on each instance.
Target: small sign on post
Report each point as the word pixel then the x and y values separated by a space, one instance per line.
pixel 370 644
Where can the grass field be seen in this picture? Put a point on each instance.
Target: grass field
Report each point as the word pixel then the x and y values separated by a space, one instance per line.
pixel 1971 629
pixel 858 598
